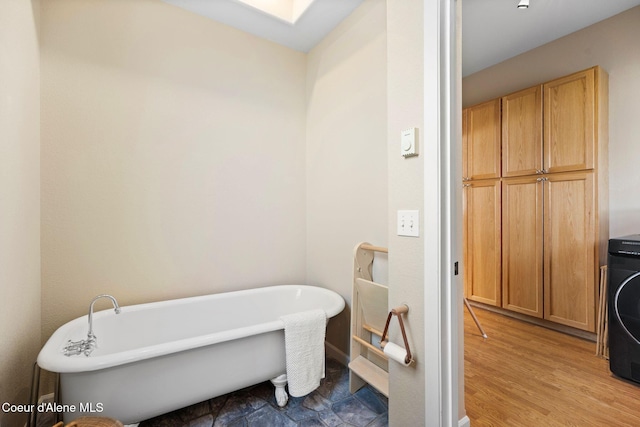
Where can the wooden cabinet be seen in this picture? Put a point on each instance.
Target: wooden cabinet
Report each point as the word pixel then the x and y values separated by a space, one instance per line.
pixel 481 141
pixel 569 127
pixel 570 122
pixel 549 247
pixel 536 222
pixel 522 245
pixel 522 132
pixel 482 219
pixel 570 249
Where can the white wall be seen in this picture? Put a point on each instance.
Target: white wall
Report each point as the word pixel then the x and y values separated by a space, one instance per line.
pixel 373 77
pixel 406 109
pixel 19 202
pixel 612 44
pixel 173 156
pixel 346 153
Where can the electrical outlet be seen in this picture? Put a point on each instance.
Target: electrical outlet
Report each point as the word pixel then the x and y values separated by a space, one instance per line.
pixel 408 223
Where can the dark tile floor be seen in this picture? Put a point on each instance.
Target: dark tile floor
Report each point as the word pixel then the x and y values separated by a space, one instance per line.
pixel 331 405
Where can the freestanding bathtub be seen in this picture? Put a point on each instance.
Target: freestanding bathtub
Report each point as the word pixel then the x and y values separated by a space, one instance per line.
pixel 154 358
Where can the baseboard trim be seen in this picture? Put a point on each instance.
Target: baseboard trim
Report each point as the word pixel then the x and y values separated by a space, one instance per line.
pixel 590 336
pixel 335 353
pixel 464 422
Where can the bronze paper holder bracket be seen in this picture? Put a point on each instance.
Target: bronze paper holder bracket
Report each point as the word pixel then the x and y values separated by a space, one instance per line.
pixel 398 311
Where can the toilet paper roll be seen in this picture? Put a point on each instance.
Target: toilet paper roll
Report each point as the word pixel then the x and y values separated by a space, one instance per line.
pixel 395 352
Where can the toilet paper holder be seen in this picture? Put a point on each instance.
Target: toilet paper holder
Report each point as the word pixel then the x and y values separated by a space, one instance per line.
pixel 398 311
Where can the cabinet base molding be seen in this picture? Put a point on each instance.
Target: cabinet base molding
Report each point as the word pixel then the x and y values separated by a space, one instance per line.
pixel 589 336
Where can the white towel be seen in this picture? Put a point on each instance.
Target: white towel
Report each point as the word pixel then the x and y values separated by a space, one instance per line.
pixel 304 334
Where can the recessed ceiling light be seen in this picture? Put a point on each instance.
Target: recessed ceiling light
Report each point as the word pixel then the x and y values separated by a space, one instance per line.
pixel 524 4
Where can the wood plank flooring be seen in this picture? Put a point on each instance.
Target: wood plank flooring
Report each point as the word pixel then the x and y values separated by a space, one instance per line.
pixel 530 376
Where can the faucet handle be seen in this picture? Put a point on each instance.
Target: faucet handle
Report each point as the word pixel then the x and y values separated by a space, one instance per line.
pixel 74 348
pixel 90 344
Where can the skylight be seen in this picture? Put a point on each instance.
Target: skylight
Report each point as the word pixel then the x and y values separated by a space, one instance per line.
pixel 286 10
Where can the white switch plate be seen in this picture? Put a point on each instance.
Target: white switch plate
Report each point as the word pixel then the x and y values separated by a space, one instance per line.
pixel 409 142
pixel 409 223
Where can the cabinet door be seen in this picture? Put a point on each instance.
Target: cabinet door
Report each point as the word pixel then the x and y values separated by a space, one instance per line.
pixel 522 251
pixel 570 250
pixel 483 250
pixel 522 132
pixel 569 120
pixel 483 141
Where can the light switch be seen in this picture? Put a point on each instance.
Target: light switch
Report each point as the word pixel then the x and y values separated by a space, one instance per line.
pixel 409 223
pixel 409 142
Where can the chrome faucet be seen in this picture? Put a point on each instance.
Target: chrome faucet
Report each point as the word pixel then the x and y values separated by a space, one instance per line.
pixel 88 345
pixel 91 338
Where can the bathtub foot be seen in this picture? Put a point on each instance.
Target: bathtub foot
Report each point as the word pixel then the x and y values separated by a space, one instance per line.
pixel 281 394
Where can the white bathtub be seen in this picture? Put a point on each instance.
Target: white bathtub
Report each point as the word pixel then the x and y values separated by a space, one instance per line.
pixel 154 358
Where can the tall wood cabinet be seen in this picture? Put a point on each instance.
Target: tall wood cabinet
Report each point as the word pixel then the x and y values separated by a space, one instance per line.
pixel 552 197
pixel 482 201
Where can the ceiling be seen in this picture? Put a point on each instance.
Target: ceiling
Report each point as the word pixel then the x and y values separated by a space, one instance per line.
pixel 492 30
pixel 496 30
pixel 314 23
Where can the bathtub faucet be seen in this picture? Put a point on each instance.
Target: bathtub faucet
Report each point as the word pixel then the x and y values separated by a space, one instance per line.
pixel 91 338
pixel 88 345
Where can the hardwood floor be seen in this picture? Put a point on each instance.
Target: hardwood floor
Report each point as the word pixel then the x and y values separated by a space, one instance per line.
pixel 530 376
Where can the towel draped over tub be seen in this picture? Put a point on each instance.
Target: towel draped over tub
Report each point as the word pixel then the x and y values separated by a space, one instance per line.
pixel 304 334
